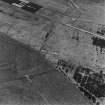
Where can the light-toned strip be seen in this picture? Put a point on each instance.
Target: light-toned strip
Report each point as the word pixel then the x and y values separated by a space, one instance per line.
pixel 25 1
pixel 17 5
pixel 94 34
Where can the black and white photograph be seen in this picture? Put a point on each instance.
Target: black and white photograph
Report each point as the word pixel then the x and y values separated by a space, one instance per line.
pixel 52 52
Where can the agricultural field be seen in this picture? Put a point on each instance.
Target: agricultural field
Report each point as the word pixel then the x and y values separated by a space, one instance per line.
pixel 33 43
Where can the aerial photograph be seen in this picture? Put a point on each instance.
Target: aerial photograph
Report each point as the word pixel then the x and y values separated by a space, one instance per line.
pixel 52 52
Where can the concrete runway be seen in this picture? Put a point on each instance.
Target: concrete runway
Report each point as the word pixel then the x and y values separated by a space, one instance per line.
pixel 48 89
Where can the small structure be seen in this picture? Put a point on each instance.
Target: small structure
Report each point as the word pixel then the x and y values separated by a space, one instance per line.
pixel 101 30
pixel 24 4
pixel 90 83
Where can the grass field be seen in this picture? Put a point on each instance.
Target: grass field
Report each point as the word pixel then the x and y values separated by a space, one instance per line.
pixel 47 89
